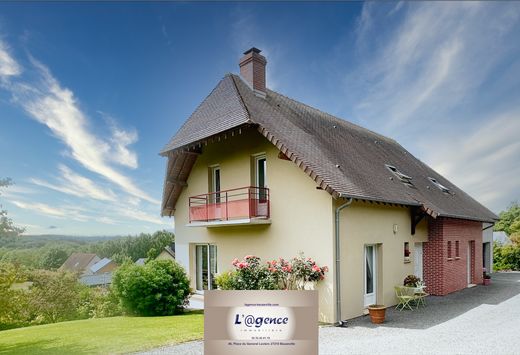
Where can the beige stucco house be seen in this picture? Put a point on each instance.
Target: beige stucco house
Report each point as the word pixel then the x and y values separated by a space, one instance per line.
pixel 254 172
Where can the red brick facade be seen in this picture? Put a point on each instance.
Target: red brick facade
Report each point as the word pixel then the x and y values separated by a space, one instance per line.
pixel 444 275
pixel 252 69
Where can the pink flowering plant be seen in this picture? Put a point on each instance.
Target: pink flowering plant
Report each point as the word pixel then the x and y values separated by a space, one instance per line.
pixel 251 274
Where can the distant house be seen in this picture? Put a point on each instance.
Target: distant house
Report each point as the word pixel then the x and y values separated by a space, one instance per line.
pixel 96 280
pixel 103 266
pixel 100 273
pixel 80 263
pixel 140 261
pixel 168 253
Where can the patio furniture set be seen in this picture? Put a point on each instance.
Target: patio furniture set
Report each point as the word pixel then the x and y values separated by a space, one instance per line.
pixel 410 297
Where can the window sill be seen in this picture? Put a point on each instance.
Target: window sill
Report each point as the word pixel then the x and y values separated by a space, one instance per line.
pixel 457 257
pixel 407 260
pixel 450 259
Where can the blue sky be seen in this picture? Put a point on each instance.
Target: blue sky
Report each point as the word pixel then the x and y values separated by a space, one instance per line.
pixel 90 92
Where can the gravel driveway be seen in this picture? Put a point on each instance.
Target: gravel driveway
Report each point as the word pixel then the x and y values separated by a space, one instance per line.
pixel 479 320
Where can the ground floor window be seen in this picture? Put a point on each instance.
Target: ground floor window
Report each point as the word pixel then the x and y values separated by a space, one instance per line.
pixel 206 266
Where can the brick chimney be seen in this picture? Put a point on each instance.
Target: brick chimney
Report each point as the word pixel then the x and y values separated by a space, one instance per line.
pixel 252 69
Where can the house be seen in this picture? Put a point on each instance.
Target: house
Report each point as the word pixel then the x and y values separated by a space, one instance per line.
pixel 103 266
pixel 100 273
pixel 168 253
pixel 79 263
pixel 140 261
pixel 252 171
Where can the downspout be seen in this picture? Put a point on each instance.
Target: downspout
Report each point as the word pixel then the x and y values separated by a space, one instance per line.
pixel 339 322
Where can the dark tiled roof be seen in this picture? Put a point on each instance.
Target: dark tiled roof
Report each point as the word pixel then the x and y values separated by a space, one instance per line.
pixel 345 159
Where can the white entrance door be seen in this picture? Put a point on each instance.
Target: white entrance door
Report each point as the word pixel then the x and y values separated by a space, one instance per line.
pixel 418 260
pixel 370 275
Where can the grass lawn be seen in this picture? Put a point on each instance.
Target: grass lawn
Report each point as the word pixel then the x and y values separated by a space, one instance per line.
pixel 103 335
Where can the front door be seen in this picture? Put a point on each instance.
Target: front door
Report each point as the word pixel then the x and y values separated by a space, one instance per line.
pixel 370 275
pixel 206 266
pixel 418 260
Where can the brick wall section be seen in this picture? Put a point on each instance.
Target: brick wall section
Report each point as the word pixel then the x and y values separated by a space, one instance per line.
pixel 252 69
pixel 443 275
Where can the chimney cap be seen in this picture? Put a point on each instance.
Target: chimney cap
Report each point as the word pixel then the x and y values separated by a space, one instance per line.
pixel 253 49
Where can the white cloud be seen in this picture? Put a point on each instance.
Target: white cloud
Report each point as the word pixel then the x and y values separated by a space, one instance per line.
pixel 143 216
pixel 485 161
pixel 74 184
pixel 57 108
pixel 40 208
pixel 433 59
pixel 439 80
pixel 8 66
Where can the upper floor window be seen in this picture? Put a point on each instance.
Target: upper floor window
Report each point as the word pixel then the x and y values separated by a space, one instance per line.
pixel 260 175
pixel 214 183
pixel 405 179
pixel 449 250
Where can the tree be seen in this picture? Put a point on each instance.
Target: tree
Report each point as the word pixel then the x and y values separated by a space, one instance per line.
pixel 7 227
pixel 510 222
pixel 53 258
pixel 158 288
pixel 56 296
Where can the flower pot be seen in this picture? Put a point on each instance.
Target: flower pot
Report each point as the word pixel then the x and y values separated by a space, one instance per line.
pixel 487 282
pixel 377 313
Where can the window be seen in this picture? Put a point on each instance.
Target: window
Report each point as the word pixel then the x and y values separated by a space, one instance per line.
pixel 405 179
pixel 439 185
pixel 206 266
pixel 449 249
pixel 457 254
pixel 260 170
pixel 406 251
pixel 214 183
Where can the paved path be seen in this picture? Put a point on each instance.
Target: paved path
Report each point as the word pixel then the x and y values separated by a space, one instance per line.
pixel 480 320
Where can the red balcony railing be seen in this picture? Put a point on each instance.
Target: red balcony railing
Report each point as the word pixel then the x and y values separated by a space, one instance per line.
pixel 244 202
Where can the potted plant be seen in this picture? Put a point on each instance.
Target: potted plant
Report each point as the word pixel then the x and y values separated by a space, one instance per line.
pixel 411 281
pixel 377 313
pixel 487 278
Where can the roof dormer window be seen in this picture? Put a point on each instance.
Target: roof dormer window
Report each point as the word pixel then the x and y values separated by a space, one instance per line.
pixel 405 179
pixel 439 185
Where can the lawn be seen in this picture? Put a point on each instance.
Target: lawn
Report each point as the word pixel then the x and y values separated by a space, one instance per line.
pixel 103 335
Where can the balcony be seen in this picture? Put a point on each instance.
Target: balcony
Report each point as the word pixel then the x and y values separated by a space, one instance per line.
pixel 242 206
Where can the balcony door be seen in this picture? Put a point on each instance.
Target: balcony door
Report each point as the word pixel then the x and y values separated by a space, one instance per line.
pixel 206 266
pixel 215 183
pixel 260 184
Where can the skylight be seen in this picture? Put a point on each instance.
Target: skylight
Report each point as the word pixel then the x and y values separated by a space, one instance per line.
pixel 439 185
pixel 405 179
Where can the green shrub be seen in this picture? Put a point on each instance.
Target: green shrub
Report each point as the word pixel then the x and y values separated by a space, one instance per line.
pixel 506 257
pixel 225 281
pixel 158 288
pixel 99 303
